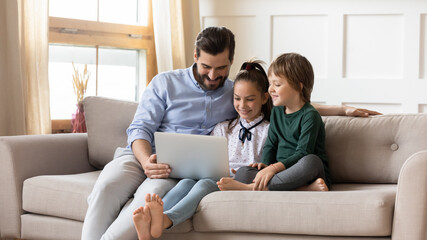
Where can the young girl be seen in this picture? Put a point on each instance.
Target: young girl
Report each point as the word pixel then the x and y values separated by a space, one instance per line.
pixel 246 137
pixel 294 156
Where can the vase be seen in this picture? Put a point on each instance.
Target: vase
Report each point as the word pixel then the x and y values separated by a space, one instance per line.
pixel 78 120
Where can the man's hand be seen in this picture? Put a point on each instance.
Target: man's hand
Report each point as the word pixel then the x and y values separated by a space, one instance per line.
pixel 156 170
pixel 358 112
pixel 327 110
pixel 263 177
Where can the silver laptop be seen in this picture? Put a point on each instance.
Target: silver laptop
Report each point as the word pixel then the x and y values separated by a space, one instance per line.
pixel 193 156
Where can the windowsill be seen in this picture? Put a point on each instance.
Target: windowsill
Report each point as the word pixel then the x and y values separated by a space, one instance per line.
pixel 61 126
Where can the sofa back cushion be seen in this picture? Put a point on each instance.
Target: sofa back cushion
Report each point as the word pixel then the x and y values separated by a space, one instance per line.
pixel 372 150
pixel 360 150
pixel 106 122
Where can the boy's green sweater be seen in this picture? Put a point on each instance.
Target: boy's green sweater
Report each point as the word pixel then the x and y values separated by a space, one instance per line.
pixel 293 136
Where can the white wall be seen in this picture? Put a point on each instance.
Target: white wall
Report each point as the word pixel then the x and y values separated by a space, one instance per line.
pixel 367 53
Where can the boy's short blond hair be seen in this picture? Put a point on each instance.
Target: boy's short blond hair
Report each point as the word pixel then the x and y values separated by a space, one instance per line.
pixel 296 69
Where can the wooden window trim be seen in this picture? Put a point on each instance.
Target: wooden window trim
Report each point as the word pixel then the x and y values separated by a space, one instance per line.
pixel 102 34
pixel 61 126
pixel 89 33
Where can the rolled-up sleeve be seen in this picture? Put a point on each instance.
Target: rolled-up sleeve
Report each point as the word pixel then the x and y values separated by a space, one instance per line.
pixel 149 113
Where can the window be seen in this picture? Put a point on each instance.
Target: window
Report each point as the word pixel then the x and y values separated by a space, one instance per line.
pixel 114 39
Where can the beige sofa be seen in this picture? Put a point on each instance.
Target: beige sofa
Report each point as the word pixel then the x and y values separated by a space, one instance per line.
pixel 378 164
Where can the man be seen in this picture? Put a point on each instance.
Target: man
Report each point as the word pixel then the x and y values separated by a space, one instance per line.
pixel 192 101
pixel 188 100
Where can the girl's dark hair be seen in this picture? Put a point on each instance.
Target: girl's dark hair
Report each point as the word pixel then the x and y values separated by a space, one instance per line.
pixel 214 40
pixel 252 71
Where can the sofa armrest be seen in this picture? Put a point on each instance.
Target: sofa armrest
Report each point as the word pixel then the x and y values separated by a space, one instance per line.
pixel 410 214
pixel 22 157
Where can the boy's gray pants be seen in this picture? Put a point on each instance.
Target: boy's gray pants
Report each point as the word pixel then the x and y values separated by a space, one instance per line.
pixel 304 172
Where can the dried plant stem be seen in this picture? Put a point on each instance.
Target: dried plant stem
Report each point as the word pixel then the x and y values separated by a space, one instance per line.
pixel 80 82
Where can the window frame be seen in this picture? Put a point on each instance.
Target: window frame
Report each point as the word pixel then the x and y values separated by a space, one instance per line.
pixel 102 34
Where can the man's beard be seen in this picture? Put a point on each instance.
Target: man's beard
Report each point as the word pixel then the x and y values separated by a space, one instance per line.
pixel 204 82
pixel 202 79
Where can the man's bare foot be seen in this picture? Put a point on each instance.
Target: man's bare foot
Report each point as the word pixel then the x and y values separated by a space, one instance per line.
pixel 155 204
pixel 227 183
pixel 142 222
pixel 318 185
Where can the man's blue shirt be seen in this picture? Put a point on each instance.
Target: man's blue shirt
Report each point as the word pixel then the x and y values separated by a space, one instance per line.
pixel 174 102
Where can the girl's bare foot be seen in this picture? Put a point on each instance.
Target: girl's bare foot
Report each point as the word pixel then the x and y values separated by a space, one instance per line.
pixel 227 183
pixel 167 222
pixel 142 222
pixel 155 204
pixel 318 185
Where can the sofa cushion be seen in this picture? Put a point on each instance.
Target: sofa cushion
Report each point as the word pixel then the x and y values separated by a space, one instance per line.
pixel 36 226
pixel 349 210
pixel 106 123
pixel 59 195
pixel 65 196
pixel 372 150
pixel 46 227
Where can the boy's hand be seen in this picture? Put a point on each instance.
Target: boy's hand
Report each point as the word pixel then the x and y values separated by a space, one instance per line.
pixel 259 166
pixel 263 177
